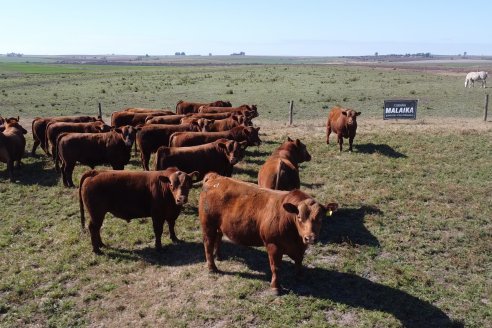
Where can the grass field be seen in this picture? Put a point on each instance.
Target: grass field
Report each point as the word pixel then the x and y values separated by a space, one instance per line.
pixel 410 245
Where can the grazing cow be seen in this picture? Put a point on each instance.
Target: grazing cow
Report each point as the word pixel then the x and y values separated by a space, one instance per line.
pixel 343 122
pixel 129 194
pixel 476 76
pixel 152 136
pixel 246 110
pixel 39 128
pixel 219 156
pixel 239 133
pixel 122 118
pixel 281 169
pixel 186 107
pixel 12 144
pixel 93 149
pixel 168 119
pixel 282 221
pixel 54 129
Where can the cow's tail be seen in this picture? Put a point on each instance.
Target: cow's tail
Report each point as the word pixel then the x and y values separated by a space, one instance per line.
pixel 171 138
pixel 46 138
pixel 34 135
pixel 56 148
pixel 88 174
pixel 280 169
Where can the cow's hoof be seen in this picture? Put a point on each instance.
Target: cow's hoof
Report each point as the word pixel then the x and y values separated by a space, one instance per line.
pixel 276 291
pixel 97 251
pixel 177 241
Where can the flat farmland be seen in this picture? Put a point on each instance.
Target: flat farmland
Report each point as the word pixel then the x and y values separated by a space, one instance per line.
pixel 410 245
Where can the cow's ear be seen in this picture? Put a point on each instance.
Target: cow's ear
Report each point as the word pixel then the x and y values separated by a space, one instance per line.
pixel 298 142
pixel 330 208
pixel 289 139
pixel 164 179
pixel 358 113
pixel 257 129
pixel 344 113
pixel 291 208
pixel 18 118
pixel 195 175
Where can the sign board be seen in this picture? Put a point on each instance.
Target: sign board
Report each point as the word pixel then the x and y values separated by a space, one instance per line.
pixel 400 109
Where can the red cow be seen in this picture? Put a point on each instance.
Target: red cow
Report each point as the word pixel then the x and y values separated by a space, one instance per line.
pixel 284 222
pixel 93 149
pixel 39 128
pixel 246 110
pixel 12 144
pixel 343 122
pixel 124 117
pixel 186 107
pixel 168 119
pixel 281 169
pixel 239 133
pixel 129 195
pixel 219 156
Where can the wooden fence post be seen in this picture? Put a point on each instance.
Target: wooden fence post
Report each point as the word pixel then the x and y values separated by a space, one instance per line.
pixel 486 107
pixel 100 111
pixel 291 111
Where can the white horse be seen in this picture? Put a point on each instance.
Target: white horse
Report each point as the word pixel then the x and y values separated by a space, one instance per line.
pixel 476 76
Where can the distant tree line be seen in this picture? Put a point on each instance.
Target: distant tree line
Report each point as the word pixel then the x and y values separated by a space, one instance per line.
pixel 242 53
pixel 13 54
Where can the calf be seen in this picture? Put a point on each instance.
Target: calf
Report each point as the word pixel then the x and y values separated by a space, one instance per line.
pixel 186 107
pixel 239 133
pixel 152 136
pixel 54 129
pixel 39 125
pixel 219 156
pixel 129 195
pixel 284 222
pixel 281 169
pixel 343 122
pixel 12 144
pixel 93 149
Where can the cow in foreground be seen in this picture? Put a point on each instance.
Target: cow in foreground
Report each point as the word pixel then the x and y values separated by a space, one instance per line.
pixel 284 222
pixel 281 169
pixel 130 194
pixel 12 144
pixel 476 76
pixel 91 149
pixel 343 122
pixel 219 156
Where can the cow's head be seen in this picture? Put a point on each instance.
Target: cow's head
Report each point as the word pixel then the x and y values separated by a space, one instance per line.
pixel 301 152
pixel 309 215
pixel 101 126
pixel 252 136
pixel 13 123
pixel 180 184
pixel 204 124
pixel 351 116
pixel 233 150
pixel 128 134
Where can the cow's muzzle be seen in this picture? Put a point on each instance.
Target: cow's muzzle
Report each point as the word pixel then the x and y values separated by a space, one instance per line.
pixel 181 200
pixel 309 240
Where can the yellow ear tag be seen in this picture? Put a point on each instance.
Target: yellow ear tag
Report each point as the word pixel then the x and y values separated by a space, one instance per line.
pixel 329 213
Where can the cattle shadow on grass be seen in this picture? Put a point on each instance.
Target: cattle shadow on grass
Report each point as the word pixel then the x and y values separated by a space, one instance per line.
pixel 38 172
pixel 339 287
pixel 347 226
pixel 371 148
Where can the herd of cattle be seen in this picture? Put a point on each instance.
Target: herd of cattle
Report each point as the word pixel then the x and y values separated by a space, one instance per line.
pixel 196 142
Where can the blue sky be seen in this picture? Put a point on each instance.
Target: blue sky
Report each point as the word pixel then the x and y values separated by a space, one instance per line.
pixel 298 28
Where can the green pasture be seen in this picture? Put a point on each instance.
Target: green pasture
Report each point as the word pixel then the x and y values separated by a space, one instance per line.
pixel 410 245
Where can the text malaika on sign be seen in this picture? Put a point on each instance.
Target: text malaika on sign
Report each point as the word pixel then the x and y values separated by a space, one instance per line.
pixel 400 109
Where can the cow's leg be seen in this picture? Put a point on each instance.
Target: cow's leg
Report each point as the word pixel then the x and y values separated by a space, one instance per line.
pixel 34 146
pixel 340 142
pixel 275 258
pixel 328 132
pixel 145 159
pixel 95 225
pixel 209 237
pixel 218 243
pixel 69 167
pixel 172 234
pixel 351 141
pixel 10 169
pixel 158 223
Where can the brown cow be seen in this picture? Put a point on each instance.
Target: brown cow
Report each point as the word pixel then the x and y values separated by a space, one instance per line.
pixel 54 129
pixel 281 169
pixel 129 194
pixel 185 107
pixel 167 119
pixel 239 133
pixel 227 123
pixel 93 149
pixel 246 110
pixel 219 156
pixel 12 144
pixel 282 221
pixel 152 136
pixel 122 118
pixel 211 116
pixel 144 110
pixel 39 128
pixel 343 122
